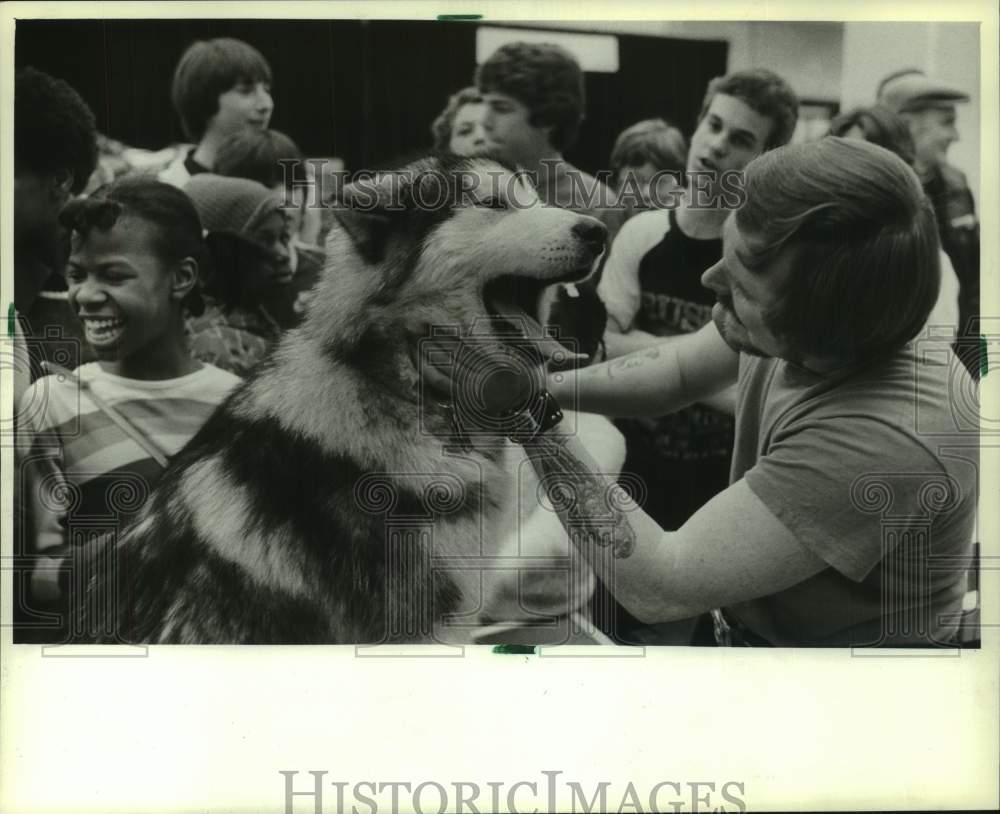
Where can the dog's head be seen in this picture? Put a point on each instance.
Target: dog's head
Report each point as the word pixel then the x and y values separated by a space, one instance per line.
pixel 446 241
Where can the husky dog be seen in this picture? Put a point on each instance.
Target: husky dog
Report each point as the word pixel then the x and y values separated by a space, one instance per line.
pixel 324 501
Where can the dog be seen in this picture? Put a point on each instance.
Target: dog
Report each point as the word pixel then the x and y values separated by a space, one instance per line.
pixel 325 501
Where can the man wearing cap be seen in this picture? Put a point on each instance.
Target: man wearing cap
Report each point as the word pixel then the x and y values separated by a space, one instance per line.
pixel 927 105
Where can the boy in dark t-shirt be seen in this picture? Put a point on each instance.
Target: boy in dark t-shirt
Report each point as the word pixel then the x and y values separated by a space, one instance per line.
pixel 652 288
pixel 685 454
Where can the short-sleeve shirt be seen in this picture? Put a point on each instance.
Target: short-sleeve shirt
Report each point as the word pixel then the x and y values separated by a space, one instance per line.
pixel 874 470
pixel 652 280
pixel 80 467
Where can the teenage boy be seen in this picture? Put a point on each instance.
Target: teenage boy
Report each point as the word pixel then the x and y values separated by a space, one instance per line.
pixel 534 100
pixel 652 286
pixel 220 87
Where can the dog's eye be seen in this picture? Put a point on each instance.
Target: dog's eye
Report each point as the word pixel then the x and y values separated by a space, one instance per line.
pixel 494 202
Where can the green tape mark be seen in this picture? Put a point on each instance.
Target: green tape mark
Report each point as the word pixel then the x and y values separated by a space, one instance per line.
pixel 984 360
pixel 459 17
pixel 515 649
pixel 11 320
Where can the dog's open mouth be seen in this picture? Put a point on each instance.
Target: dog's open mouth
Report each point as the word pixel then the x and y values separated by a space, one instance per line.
pixel 513 302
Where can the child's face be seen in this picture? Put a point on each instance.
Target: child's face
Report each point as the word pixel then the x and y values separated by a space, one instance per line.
pixel 120 289
pixel 272 235
pixel 248 104
pixel 467 134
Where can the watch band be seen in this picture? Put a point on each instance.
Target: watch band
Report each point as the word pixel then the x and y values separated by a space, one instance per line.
pixel 525 425
pixel 540 417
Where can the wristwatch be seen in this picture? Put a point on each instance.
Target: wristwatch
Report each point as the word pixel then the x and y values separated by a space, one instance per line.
pixel 540 417
pixel 525 425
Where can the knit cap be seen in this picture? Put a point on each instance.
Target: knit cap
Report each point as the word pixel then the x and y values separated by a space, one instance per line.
pixel 230 204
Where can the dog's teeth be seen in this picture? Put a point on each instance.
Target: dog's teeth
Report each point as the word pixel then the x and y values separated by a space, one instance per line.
pixel 572 291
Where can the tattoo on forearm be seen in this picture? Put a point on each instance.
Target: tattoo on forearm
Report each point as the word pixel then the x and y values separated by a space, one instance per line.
pixel 633 360
pixel 591 506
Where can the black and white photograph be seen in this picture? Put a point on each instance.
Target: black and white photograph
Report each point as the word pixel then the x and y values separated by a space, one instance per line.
pixel 643 352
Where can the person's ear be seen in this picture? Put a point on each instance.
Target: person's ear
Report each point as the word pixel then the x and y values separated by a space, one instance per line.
pixel 185 278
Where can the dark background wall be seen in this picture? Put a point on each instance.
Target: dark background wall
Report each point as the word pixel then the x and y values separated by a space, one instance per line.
pixel 365 91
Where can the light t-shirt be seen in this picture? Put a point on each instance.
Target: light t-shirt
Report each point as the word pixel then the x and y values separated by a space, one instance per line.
pixel 81 472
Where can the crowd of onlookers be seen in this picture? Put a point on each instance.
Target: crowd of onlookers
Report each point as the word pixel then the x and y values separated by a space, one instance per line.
pixel 176 271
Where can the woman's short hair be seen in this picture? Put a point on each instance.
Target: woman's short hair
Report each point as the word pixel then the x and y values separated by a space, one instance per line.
pixel 543 77
pixel 442 125
pixel 208 69
pixel 256 154
pixel 763 91
pixel 865 268
pixel 651 141
pixel 880 126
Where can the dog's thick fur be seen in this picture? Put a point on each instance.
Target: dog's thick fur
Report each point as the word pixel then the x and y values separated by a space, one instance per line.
pixel 307 509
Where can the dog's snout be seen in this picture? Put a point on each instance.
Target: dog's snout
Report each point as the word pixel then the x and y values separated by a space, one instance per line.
pixel 592 232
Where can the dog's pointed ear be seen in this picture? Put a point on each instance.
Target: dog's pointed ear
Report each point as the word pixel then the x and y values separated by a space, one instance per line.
pixel 361 212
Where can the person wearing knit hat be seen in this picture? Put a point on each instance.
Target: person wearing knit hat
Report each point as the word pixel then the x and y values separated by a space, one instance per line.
pixel 249 299
pixel 927 105
pixel 228 204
